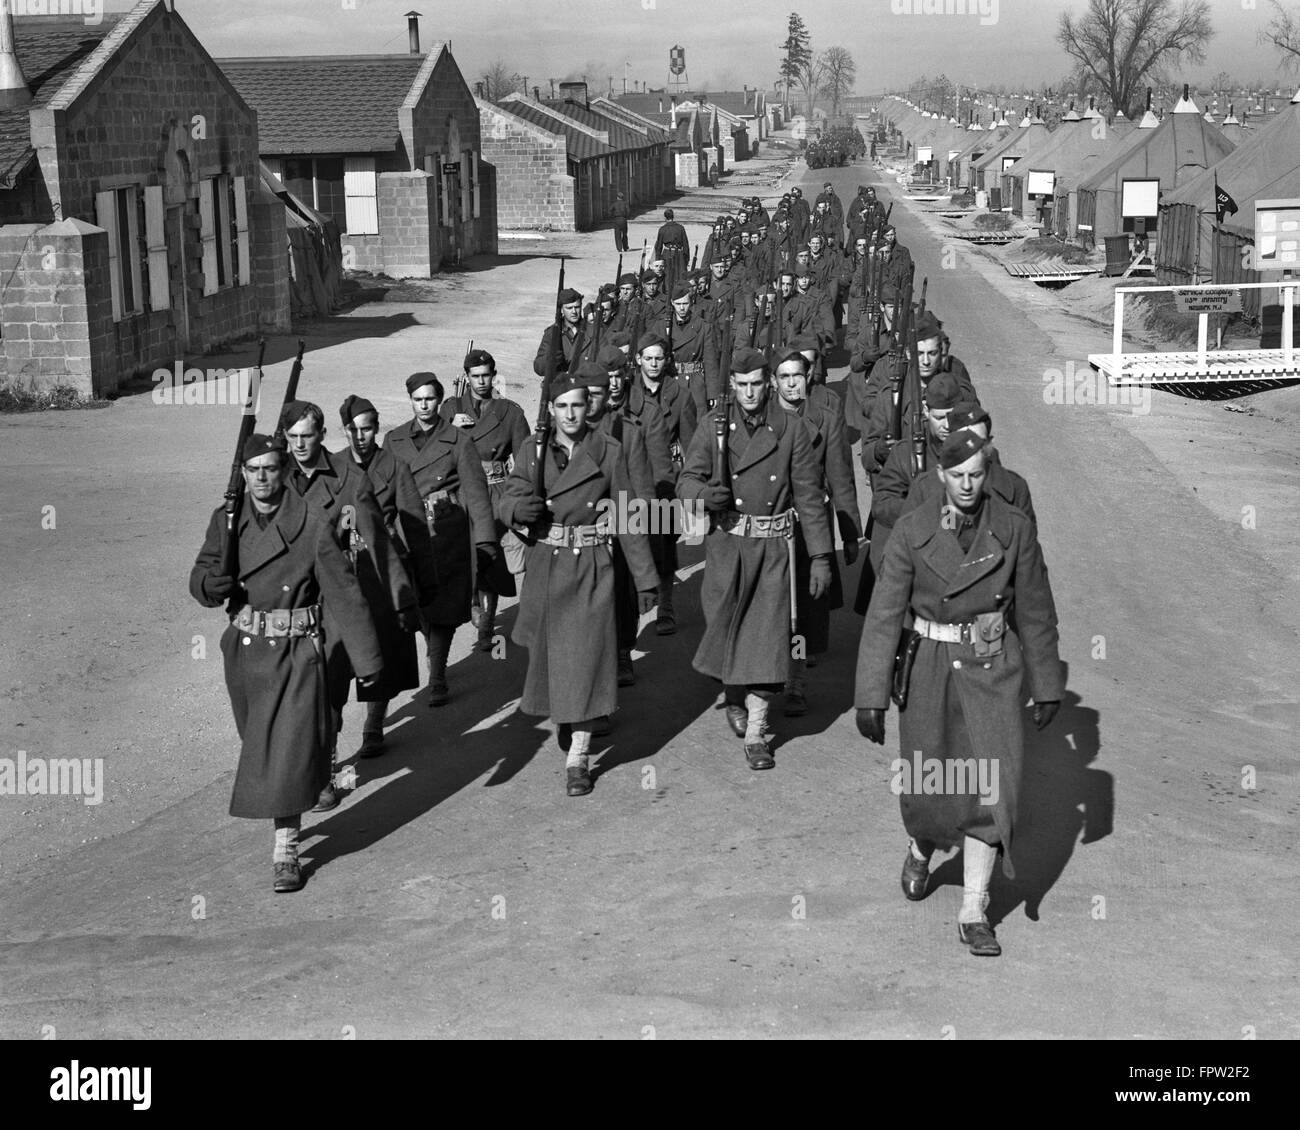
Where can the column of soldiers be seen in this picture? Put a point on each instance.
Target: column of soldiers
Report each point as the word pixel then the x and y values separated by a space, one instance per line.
pixel 699 394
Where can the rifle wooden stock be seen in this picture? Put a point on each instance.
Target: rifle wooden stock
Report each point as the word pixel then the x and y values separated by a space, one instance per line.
pixel 542 431
pixel 462 380
pixel 234 495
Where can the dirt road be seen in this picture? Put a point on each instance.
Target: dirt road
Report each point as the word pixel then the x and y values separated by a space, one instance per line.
pixel 459 892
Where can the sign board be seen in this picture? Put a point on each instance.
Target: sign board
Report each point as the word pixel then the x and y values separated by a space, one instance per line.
pixel 677 59
pixel 450 168
pixel 1209 300
pixel 1139 199
pixel 1277 235
pixel 1041 182
pixel 924 154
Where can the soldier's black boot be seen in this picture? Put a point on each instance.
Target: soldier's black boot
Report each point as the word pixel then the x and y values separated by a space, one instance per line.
pixel 372 734
pixel 440 636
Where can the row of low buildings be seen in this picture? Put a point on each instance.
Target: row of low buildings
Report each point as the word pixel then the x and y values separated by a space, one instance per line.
pixel 156 203
pixel 561 162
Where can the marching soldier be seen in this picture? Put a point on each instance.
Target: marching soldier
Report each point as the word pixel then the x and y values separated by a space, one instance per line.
pixel 873 343
pixel 834 206
pixel 458 510
pixel 800 217
pixel 769 474
pixel 652 402
pixel 932 357
pixel 967 570
pixel 821 324
pixel 826 226
pixel 566 608
pixel 499 433
pixel 1001 481
pixel 695 359
pixel 654 305
pixel 715 245
pixel 403 513
pixel 573 337
pixel 628 304
pixel 896 265
pixel 336 488
pixel 672 246
pixel 820 411
pixel 288 563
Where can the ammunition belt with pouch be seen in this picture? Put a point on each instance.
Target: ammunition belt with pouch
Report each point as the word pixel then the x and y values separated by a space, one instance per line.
pixel 279 623
pixel 984 634
pixel 757 525
pixel 576 537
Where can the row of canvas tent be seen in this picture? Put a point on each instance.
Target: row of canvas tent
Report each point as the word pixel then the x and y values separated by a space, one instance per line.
pixel 1089 158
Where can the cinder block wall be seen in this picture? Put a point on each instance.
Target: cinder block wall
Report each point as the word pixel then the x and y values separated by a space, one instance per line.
pixel 533 188
pixel 57 310
pixel 408 224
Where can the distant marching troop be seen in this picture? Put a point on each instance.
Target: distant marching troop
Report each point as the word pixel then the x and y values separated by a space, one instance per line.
pixel 697 387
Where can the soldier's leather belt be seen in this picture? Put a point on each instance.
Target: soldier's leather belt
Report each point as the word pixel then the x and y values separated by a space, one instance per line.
pixel 944 633
pixel 758 525
pixel 432 500
pixel 495 470
pixel 577 537
pixel 279 622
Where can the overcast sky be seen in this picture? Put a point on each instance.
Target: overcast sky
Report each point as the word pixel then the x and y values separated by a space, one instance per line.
pixel 728 42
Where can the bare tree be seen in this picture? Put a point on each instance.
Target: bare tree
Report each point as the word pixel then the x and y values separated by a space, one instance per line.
pixel 499 80
pixel 1125 42
pixel 811 77
pixel 841 73
pixel 1283 32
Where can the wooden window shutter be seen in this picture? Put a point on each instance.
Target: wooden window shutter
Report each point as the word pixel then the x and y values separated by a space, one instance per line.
pixel 208 232
pixel 155 226
pixel 106 218
pixel 241 231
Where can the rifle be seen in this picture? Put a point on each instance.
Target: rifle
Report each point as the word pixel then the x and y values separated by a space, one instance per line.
pixel 914 377
pixel 235 487
pixel 760 320
pixel 777 323
pixel 902 331
pixel 458 386
pixel 695 257
pixel 541 434
pixel 721 420
pixel 290 389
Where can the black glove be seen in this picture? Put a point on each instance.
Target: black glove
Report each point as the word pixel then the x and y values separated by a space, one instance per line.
pixel 871 725
pixel 217 586
pixel 1044 712
pixel 646 601
pixel 819 577
pixel 716 498
pixel 880 451
pixel 529 510
pixel 408 619
pixel 851 549
pixel 487 551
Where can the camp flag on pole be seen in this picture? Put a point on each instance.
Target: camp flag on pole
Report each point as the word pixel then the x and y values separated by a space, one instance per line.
pixel 1224 205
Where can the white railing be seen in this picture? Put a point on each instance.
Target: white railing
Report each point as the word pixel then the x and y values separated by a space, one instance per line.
pixel 1287 287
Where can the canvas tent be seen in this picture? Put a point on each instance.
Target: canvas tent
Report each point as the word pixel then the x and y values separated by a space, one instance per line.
pixel 1177 149
pixel 1193 249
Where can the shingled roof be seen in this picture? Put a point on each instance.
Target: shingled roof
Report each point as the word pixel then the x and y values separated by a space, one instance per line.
pixel 49 51
pixel 622 138
pixel 581 146
pixel 326 103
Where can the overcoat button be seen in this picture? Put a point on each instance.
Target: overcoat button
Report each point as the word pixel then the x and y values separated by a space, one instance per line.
pixel 987 666
pixel 772 478
pixel 590 505
pixel 247 640
pixel 286 588
pixel 271 642
pixel 957 664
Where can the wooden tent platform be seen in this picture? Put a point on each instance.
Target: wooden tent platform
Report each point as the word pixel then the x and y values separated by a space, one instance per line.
pixel 1053 270
pixel 1226 374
